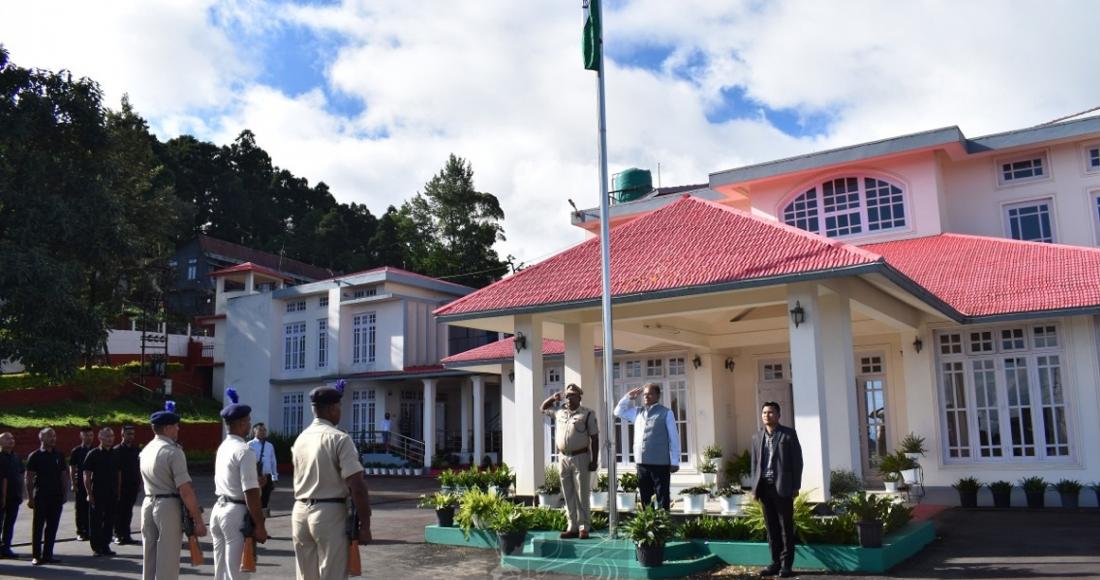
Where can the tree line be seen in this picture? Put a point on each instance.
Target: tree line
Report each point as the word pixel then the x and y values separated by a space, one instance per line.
pixel 92 203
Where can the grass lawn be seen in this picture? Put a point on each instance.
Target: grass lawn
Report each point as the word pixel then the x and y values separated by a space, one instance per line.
pixel 126 410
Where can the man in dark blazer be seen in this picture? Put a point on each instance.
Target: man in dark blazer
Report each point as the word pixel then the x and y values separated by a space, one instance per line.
pixel 776 479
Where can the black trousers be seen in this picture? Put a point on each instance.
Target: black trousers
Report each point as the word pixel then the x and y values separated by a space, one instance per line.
pixel 101 521
pixel 779 521
pixel 81 512
pixel 47 515
pixel 265 493
pixel 654 480
pixel 124 517
pixel 7 525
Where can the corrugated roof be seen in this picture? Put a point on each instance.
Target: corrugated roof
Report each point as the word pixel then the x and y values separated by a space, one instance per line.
pixel 246 254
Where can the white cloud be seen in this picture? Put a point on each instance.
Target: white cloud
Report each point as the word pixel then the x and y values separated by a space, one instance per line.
pixel 501 84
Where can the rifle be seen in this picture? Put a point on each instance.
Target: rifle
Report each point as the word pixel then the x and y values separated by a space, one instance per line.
pixel 192 539
pixel 355 565
pixel 248 556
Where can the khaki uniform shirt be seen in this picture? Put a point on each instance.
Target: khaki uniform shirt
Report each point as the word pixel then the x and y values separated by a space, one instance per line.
pixel 573 429
pixel 163 467
pixel 324 457
pixel 235 468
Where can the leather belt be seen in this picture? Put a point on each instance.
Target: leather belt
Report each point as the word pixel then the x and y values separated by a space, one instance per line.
pixel 573 453
pixel 227 499
pixel 309 501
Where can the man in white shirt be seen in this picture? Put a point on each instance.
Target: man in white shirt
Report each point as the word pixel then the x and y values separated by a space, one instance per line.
pixel 238 491
pixel 266 465
pixel 656 442
pixel 387 426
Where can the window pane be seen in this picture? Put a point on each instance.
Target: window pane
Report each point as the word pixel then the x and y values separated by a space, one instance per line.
pixel 802 211
pixel 1031 222
pixel 1019 407
pixel 954 400
pixel 1053 403
pixel 885 205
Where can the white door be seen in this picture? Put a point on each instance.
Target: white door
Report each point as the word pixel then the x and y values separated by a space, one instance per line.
pixel 871 392
pixel 775 385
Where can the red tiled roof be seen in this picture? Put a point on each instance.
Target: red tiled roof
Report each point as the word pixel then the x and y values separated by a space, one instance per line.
pixel 980 276
pixel 249 267
pixel 502 349
pixel 688 243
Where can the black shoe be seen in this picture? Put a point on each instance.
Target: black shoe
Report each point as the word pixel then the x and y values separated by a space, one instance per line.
pixel 787 573
pixel 109 552
pixel 769 571
pixel 9 555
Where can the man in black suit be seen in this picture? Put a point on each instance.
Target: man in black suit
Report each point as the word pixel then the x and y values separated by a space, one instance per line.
pixel 776 479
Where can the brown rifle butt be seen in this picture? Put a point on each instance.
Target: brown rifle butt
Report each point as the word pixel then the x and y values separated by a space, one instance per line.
pixel 248 556
pixel 355 565
pixel 196 551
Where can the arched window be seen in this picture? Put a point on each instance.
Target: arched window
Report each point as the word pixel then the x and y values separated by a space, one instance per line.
pixel 846 206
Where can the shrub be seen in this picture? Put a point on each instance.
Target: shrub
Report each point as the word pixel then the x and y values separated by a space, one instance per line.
pixel 1070 486
pixel 913 443
pixel 541 518
pixel 805 523
pixel 739 467
pixel 501 476
pixel 895 462
pixel 1000 487
pixel 601 482
pixel 708 466
pixel 1033 484
pixel 714 528
pixel 446 478
pixel 866 507
pixel 628 482
pixel 712 452
pixel 729 490
pixel 599 520
pixel 843 482
pixel 697 490
pixel 507 517
pixel 967 485
pixel 650 526
pixel 551 480
pixel 475 508
pixel 438 500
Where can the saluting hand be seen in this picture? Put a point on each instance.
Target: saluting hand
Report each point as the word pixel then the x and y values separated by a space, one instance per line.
pixel 633 393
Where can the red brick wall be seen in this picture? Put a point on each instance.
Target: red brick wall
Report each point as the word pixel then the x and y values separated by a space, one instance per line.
pixel 198 436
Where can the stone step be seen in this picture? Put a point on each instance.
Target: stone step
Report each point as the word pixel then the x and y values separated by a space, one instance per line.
pixel 610 568
pixel 601 547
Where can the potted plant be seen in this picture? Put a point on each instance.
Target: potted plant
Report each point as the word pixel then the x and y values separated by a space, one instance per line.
pixel 912 445
pixel 968 491
pixel 869 510
pixel 739 469
pixel 695 499
pixel 1002 493
pixel 418 470
pixel 1069 490
pixel 475 510
pixel 732 497
pixel 598 496
pixel 650 528
pixel 1035 488
pixel 709 466
pixel 501 479
pixel 890 481
pixel 444 504
pixel 550 490
pixel 446 480
pixel 510 524
pixel 843 482
pixel 896 463
pixel 628 486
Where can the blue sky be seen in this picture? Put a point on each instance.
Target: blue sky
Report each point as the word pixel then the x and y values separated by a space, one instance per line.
pixel 370 96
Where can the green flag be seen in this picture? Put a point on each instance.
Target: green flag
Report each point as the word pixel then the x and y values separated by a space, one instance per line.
pixel 593 35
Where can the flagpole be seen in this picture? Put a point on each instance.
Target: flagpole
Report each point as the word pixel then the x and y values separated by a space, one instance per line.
pixel 605 260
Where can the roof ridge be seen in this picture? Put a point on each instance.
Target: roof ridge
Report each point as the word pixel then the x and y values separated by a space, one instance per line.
pixel 995 239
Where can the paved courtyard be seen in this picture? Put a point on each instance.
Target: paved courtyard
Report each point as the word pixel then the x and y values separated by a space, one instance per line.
pixel 972 544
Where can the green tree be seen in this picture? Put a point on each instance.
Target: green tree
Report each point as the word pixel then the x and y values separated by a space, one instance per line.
pixel 454 227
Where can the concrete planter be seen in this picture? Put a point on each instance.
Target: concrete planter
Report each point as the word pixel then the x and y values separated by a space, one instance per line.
pixel 550 500
pixel 732 505
pixel 626 501
pixel 597 499
pixel 910 476
pixel 710 479
pixel 891 486
pixel 695 503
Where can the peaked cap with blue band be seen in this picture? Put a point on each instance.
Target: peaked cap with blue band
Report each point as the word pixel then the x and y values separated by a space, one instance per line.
pixel 234 410
pixel 167 416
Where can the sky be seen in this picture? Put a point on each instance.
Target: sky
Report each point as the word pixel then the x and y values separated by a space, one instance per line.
pixel 370 96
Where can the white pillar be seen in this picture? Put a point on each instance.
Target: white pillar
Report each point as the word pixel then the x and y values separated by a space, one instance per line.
pixel 429 421
pixel 840 383
pixel 250 282
pixel 464 415
pixel 919 395
pixel 524 445
pixel 479 418
pixel 808 374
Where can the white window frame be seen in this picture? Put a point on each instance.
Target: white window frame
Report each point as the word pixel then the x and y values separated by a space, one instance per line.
pixel 1006 207
pixel 322 302
pixel 821 216
pixel 1001 444
pixel 638 368
pixel 294 346
pixel 363 414
pixel 192 268
pixel 364 292
pixel 1042 155
pixel 295 305
pixel 294 411
pixel 1086 154
pixel 364 347
pixel 322 343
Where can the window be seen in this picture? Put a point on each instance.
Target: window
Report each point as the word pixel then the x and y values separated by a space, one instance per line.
pixel 773 372
pixel 1092 158
pixel 553 376
pixel 1023 169
pixel 192 268
pixel 870 365
pixel 363 339
pixel 322 302
pixel 654 367
pixel 294 346
pixel 362 416
pixel 322 343
pixel 1003 400
pixel 296 306
pixel 1030 221
pixel 363 292
pixel 671 374
pixel 293 412
pixel 848 206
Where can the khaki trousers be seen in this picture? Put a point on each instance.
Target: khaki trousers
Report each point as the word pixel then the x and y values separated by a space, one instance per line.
pixel 161 538
pixel 576 483
pixel 225 529
pixel 320 541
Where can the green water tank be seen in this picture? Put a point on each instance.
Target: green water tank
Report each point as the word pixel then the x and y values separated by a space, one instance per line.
pixel 632 184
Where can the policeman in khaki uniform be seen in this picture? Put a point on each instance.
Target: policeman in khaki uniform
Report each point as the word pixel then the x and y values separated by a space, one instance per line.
pixel 167 486
pixel 576 435
pixel 326 469
pixel 237 486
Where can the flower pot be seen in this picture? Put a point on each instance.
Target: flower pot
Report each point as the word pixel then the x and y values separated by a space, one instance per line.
pixel 891 486
pixel 550 500
pixel 710 479
pixel 597 499
pixel 913 456
pixel 731 506
pixel 445 517
pixel 1002 499
pixel 391 471
pixel 695 503
pixel 511 543
pixel 746 481
pixel 968 499
pixel 1035 499
pixel 870 534
pixel 909 476
pixel 1069 500
pixel 625 501
pixel 650 556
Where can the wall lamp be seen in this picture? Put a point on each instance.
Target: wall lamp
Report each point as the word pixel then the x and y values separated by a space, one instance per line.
pixel 798 314
pixel 696 362
pixel 730 364
pixel 918 344
pixel 520 341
